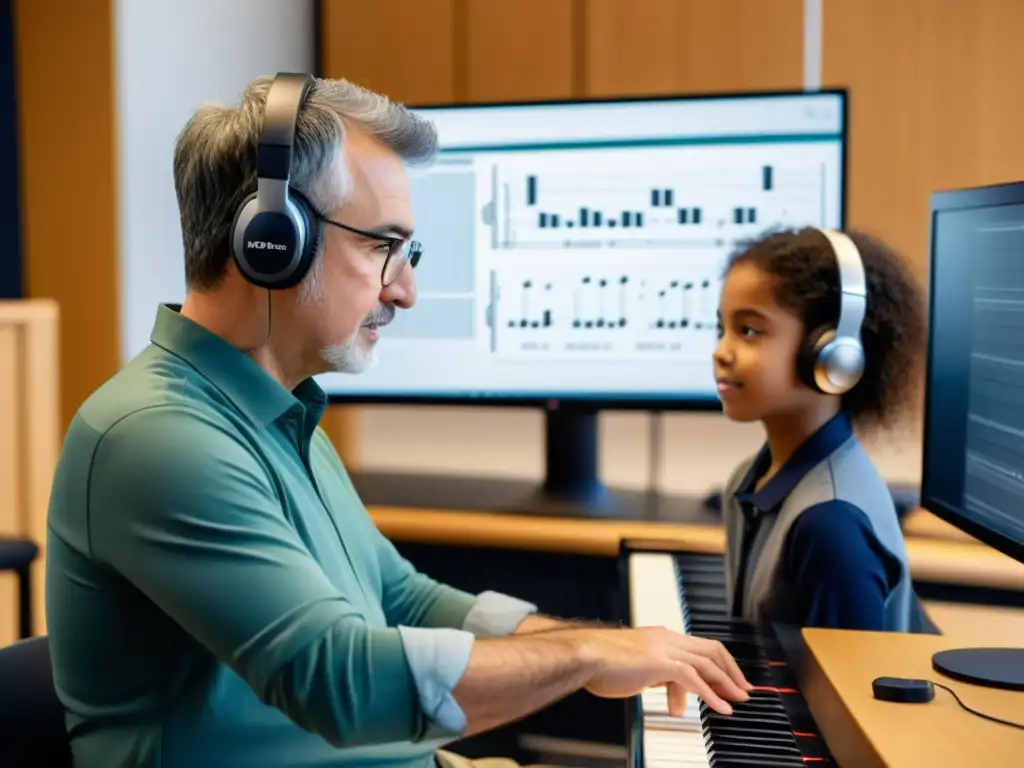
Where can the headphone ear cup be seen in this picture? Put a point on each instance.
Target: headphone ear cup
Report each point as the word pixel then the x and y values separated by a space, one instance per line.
pixel 809 358
pixel 266 244
pixel 310 224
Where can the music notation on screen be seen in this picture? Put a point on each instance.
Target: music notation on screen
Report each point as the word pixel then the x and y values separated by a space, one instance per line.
pixel 642 313
pixel 628 207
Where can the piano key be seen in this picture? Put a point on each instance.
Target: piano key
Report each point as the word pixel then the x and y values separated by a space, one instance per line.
pixel 654 596
pixel 670 748
pixel 655 702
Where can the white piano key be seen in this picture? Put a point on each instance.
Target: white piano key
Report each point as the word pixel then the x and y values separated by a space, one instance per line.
pixel 655 702
pixel 674 748
pixel 654 592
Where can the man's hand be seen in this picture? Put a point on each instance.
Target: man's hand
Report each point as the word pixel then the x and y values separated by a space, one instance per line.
pixel 626 661
pixel 510 677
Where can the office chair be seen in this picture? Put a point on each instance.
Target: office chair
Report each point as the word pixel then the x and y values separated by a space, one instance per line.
pixel 18 555
pixel 32 731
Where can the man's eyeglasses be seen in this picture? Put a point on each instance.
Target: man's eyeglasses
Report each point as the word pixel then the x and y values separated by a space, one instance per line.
pixel 401 251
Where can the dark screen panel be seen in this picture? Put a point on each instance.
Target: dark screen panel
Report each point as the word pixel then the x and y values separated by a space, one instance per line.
pixel 973 473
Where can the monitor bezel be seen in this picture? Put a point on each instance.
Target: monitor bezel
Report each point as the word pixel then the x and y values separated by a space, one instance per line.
pixel 944 201
pixel 601 401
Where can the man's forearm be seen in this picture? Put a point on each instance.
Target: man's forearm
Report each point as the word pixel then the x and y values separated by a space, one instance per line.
pixel 538 622
pixel 508 678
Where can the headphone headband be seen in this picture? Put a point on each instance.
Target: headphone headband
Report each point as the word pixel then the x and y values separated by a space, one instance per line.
pixel 280 117
pixel 853 289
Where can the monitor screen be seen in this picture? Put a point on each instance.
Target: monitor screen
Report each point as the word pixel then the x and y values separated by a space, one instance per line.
pixel 574 251
pixel 973 472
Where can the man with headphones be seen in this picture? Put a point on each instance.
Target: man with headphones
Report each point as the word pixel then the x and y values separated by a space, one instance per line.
pixel 819 332
pixel 217 594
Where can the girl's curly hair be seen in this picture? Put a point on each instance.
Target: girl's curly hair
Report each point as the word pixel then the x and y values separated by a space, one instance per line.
pixel 806 282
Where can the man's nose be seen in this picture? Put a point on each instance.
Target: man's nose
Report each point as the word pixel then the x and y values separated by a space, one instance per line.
pixel 402 291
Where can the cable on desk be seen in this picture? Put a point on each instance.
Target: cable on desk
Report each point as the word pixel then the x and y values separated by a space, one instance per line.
pixel 994 719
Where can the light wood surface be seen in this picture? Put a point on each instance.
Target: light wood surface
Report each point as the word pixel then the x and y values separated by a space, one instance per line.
pixel 29 438
pixel 867 733
pixel 921 523
pixel 691 46
pixel 977 624
pixel 934 105
pixel 932 560
pixel 67 147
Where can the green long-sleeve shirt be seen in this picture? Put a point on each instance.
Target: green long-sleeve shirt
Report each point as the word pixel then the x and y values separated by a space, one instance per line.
pixel 217 594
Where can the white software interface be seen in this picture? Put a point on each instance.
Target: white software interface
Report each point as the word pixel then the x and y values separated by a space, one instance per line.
pixel 577 249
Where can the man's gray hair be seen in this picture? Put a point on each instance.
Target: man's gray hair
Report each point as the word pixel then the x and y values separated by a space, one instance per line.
pixel 215 161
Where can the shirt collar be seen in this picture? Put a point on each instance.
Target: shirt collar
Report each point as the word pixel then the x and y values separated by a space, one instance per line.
pixel 816 449
pixel 250 388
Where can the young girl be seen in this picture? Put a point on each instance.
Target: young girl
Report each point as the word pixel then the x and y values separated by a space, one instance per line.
pixel 813 537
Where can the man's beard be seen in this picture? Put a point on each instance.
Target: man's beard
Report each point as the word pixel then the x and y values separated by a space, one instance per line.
pixel 348 357
pixel 351 357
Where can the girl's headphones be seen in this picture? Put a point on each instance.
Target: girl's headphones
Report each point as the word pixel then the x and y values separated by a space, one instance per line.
pixel 831 359
pixel 275 230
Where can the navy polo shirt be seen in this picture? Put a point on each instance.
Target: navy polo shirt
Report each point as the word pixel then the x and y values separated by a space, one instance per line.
pixel 833 564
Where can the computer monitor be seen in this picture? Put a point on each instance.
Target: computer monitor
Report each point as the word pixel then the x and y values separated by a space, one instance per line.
pixel 573 253
pixel 973 468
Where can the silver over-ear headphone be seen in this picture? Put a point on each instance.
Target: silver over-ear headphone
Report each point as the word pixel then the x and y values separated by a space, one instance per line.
pixel 275 229
pixel 832 358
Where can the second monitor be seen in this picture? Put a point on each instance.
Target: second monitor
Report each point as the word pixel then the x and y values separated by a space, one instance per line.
pixel 573 253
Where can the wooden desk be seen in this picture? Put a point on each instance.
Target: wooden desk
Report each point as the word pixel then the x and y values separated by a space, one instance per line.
pixel 921 523
pixel 867 733
pixel 932 560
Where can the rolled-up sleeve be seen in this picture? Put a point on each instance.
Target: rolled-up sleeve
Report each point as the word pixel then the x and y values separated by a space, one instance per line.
pixel 438 659
pixel 184 511
pixel 495 614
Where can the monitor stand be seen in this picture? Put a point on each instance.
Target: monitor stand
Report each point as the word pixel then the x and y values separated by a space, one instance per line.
pixel 572 482
pixel 571 486
pixel 988 667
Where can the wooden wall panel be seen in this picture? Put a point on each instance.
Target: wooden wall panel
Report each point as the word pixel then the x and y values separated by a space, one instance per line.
pixel 516 50
pixel 403 48
pixel 68 170
pixel 29 440
pixel 640 47
pixel 936 102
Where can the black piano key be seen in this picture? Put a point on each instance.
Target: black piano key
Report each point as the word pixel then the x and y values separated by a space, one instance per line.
pixel 732 759
pixel 754 707
pixel 760 749
pixel 697 559
pixel 777 720
pixel 754 743
pixel 767 723
pixel 698 579
pixel 722 623
pixel 737 733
